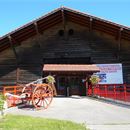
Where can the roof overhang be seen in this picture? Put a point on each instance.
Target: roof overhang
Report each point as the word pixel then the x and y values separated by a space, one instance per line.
pixel 70 68
pixel 57 16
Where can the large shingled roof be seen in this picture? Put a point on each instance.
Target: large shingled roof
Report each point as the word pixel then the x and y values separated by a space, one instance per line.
pixel 60 15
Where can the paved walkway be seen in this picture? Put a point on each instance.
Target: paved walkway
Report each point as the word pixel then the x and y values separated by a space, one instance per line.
pixel 97 115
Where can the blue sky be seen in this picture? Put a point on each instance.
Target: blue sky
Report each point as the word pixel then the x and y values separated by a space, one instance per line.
pixel 15 13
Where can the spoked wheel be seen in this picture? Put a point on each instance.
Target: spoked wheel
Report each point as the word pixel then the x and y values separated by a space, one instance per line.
pixel 42 96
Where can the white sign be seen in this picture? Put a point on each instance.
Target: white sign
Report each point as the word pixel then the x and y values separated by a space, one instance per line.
pixel 110 73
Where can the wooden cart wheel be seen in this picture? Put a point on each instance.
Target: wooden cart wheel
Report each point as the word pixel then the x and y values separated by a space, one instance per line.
pixel 42 96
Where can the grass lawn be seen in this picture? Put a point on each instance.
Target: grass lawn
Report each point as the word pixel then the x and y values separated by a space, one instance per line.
pixel 16 122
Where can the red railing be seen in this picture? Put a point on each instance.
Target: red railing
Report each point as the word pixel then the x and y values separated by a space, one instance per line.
pixel 16 90
pixel 112 91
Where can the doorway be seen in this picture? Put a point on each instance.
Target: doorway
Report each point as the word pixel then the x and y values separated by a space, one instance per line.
pixel 70 85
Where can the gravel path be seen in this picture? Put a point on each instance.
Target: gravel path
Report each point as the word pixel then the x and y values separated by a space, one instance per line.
pixel 96 114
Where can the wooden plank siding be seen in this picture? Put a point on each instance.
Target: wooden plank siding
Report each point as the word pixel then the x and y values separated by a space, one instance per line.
pixel 8 67
pixel 50 47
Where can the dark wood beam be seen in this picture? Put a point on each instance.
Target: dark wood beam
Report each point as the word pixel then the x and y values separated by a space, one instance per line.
pixel 126 38
pixel 49 18
pixel 78 20
pixel 36 28
pixel 119 43
pixel 63 18
pixel 70 14
pixel 108 25
pixel 90 25
pixel 38 34
pixel 11 44
pixel 19 39
pixel 16 56
pixel 119 39
pixel 103 30
pixel 24 33
pixel 4 47
pixel 50 24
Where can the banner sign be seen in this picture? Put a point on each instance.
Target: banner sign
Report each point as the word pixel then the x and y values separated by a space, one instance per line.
pixel 110 73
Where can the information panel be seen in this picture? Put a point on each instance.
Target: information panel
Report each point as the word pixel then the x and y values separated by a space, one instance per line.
pixel 110 73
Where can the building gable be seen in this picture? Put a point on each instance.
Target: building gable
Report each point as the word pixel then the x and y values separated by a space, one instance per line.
pixel 61 15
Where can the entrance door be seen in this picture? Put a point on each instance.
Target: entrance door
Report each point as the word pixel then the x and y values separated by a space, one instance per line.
pixel 74 85
pixel 61 85
pixel 70 85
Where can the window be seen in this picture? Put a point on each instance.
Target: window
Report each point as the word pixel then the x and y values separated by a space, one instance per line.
pixel 61 32
pixel 71 32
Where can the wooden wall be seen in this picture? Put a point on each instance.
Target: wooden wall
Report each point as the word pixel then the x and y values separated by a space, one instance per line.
pixel 7 67
pixel 50 47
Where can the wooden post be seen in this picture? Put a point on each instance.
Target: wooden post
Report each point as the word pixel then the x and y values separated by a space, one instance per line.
pixel 119 42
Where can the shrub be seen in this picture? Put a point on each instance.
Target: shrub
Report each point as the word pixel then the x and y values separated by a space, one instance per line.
pixel 2 101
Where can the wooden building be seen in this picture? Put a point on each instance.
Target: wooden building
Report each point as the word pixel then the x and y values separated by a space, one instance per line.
pixel 63 37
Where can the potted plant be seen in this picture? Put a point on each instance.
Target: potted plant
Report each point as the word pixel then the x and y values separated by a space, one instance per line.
pixel 94 79
pixel 51 81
